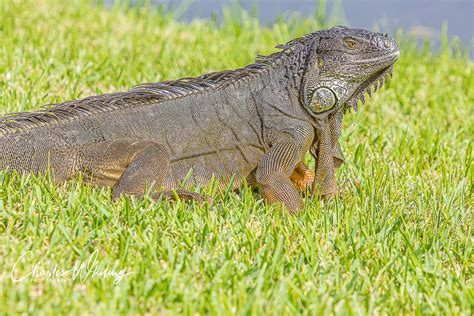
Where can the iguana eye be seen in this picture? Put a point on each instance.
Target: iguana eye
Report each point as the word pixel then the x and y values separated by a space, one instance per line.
pixel 351 44
pixel 323 99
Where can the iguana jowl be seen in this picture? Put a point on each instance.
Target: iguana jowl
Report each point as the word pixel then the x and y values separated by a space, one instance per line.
pixel 256 122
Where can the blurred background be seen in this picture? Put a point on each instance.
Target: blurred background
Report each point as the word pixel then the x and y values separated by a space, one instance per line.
pixel 422 19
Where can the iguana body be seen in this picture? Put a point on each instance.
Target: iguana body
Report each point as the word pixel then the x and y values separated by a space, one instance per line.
pixel 256 123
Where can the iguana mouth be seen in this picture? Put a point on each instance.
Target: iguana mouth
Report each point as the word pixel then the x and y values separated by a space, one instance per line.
pixel 376 81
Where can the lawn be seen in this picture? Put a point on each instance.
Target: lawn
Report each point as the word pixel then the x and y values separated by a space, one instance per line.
pixel 399 240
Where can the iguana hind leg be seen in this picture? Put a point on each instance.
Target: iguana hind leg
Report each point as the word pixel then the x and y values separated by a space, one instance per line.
pixel 148 165
pixel 130 167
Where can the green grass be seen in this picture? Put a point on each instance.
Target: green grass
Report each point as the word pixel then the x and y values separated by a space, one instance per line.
pixel 398 241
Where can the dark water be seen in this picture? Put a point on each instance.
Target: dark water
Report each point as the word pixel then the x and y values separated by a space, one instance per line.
pixel 421 18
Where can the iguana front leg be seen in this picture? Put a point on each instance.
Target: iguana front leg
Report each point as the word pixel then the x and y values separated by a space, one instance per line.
pixel 328 156
pixel 274 170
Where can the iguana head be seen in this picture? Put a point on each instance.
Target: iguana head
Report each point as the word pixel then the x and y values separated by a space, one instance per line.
pixel 342 65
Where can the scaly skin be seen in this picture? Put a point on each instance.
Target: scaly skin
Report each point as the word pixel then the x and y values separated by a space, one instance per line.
pixel 255 123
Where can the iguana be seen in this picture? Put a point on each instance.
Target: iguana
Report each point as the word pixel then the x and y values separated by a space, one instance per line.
pixel 254 123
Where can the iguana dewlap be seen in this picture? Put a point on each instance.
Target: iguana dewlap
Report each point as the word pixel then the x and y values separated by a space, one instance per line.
pixel 253 123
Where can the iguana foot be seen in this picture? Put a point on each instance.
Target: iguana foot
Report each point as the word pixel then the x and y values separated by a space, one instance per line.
pixel 173 195
pixel 330 196
pixel 302 176
pixel 280 190
pixel 325 193
pixel 184 195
